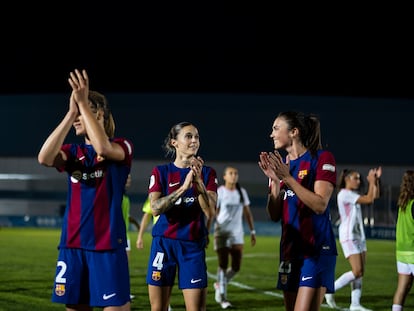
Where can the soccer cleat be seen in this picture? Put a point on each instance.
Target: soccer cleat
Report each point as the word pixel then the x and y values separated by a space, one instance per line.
pixel 330 301
pixel 169 308
pixel 225 304
pixel 131 296
pixel 217 295
pixel 358 308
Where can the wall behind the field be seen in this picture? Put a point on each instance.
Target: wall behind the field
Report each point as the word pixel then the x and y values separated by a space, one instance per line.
pixel 28 189
pixel 233 127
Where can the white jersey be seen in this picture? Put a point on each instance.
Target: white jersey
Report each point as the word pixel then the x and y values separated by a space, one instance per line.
pixel 352 226
pixel 230 215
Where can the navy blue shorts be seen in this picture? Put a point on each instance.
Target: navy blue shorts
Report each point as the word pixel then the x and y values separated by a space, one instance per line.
pixel 289 275
pixel 319 272
pixel 97 279
pixel 169 256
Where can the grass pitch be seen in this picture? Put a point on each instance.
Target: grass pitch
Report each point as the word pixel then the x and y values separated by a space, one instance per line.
pixel 28 258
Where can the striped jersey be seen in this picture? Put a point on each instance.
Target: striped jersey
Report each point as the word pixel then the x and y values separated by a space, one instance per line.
pixel 185 220
pixel 93 217
pixel 304 233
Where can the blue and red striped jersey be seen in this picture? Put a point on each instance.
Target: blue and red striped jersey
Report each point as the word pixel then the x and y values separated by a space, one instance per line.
pixel 305 233
pixel 185 220
pixel 93 217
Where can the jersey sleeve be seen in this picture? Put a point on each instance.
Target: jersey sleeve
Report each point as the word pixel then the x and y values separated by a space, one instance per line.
pixel 246 198
pixel 67 150
pixel 326 169
pixel 155 181
pixel 127 146
pixel 345 196
pixel 212 182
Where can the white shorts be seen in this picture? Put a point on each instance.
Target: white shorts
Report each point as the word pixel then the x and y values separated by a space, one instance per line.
pixel 352 247
pixel 227 239
pixel 405 268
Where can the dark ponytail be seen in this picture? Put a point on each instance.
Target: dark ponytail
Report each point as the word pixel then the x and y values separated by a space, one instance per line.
pixel 240 192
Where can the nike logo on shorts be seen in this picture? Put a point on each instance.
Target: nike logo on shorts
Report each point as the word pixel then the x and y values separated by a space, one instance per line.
pixel 195 281
pixel 173 184
pixel 305 278
pixel 106 297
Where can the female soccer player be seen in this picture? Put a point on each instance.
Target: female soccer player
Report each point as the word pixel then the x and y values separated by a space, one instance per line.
pixel 404 241
pixel 184 194
pixel 351 231
pixel 233 204
pixel 93 236
pixel 300 187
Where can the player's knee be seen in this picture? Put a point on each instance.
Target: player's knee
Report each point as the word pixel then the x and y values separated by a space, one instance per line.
pixel 358 273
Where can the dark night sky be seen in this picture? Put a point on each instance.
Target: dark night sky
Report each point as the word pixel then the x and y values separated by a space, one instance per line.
pixel 243 48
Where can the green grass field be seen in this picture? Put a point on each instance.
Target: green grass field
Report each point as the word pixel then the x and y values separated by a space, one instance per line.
pixel 28 257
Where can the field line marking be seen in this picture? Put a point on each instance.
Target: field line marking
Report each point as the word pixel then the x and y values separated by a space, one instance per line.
pixel 247 287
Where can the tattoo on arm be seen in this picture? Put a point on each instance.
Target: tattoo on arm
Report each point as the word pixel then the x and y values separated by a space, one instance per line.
pixel 165 203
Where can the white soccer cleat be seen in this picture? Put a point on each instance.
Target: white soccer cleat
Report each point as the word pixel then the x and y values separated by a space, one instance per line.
pixel 358 308
pixel 225 304
pixel 330 301
pixel 217 295
pixel 169 308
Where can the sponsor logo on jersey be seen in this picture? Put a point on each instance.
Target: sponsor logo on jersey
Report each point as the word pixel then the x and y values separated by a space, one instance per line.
pixel 78 175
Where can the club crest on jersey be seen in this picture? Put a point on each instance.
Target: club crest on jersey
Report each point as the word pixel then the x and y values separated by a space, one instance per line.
pixel 302 174
pixel 156 275
pixel 60 289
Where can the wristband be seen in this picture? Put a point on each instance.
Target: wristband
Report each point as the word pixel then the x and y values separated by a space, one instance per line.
pixel 253 232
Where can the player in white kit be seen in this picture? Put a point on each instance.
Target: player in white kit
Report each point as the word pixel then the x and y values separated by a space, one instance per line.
pixel 232 204
pixel 351 231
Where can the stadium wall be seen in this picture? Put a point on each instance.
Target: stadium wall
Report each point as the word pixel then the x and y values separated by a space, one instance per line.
pixel 33 195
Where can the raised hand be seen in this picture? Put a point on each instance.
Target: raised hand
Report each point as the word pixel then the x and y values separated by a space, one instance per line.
pixel 79 82
pixel 266 164
pixel 378 172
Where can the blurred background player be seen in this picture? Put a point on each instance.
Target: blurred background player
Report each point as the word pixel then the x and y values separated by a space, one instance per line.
pixel 233 204
pixel 404 241
pixel 351 231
